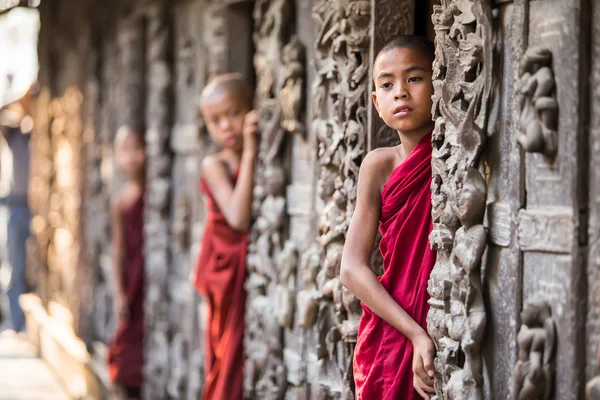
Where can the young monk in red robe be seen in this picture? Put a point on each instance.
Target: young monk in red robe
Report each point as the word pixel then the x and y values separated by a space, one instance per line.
pixel 125 353
pixel 220 273
pixel 394 355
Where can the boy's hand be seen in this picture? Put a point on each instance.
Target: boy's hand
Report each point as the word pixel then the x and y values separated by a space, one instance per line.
pixel 422 365
pixel 249 132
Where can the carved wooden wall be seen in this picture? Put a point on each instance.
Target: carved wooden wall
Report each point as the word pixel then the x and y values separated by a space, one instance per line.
pixel 552 224
pixel 509 154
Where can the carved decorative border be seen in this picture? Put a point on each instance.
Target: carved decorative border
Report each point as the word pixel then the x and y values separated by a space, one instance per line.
pixel 462 81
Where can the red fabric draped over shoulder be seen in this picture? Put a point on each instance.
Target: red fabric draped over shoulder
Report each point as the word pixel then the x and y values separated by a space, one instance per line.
pixel 125 353
pixel 383 355
pixel 220 277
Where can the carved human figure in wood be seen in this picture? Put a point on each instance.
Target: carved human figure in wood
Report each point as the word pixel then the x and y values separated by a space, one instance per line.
pixel 287 260
pixel 538 104
pixel 466 321
pixel 291 96
pixel 534 372
pixel 307 298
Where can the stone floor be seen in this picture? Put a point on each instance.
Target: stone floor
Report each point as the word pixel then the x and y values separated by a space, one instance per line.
pixel 23 376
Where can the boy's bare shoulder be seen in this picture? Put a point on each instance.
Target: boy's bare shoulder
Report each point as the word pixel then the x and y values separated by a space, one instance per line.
pixel 125 196
pixel 379 160
pixel 213 163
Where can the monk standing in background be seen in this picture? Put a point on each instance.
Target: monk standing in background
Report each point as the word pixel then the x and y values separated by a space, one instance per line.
pixel 125 353
pixel 394 355
pixel 226 181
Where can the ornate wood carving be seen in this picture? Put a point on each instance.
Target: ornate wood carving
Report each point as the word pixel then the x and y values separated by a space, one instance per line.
pixel 539 108
pixel 216 39
pixel 534 372
pixel 157 254
pixel 462 80
pixel 546 229
pixel 271 260
pixel 340 125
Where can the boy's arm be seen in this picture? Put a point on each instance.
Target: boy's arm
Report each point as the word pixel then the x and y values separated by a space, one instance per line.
pixel 356 273
pixel 118 254
pixel 357 276
pixel 234 201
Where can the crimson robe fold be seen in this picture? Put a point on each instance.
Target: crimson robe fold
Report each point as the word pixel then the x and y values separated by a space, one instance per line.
pixel 125 353
pixel 383 355
pixel 220 277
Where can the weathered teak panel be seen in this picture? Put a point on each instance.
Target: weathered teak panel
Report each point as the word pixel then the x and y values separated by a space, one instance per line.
pixel 555 205
pixel 503 159
pixel 593 258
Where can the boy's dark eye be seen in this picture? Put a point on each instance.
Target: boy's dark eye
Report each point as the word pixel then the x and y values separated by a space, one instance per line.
pixel 215 120
pixel 386 85
pixel 414 79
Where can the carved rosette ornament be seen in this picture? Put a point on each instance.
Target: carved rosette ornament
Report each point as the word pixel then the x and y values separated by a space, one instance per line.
pixel 157 204
pixel 272 261
pixel 340 125
pixel 462 79
pixel 537 101
pixel 534 372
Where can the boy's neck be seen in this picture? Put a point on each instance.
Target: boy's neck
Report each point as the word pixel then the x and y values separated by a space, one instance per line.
pixel 410 140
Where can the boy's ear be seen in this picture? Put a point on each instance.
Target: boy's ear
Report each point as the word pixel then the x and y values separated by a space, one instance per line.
pixel 374 97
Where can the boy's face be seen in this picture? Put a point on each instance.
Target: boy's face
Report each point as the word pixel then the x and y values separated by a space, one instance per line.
pixel 224 113
pixel 403 90
pixel 131 155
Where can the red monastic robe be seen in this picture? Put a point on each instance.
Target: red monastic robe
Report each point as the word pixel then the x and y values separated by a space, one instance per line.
pixel 220 277
pixel 383 355
pixel 125 353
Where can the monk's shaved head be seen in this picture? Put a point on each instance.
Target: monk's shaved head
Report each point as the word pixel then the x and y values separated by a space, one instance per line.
pixel 413 42
pixel 232 83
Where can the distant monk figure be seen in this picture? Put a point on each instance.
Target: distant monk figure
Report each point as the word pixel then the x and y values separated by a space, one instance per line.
pixel 125 353
pixel 221 270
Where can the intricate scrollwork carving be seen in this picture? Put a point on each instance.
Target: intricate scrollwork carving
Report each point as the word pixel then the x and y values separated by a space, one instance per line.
pixel 462 81
pixel 340 126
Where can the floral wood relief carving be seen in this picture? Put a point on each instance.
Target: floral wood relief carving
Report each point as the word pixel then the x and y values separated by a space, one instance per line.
pixel 462 80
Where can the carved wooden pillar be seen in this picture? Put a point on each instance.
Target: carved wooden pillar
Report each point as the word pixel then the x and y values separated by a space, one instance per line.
pixel 506 194
pixel 158 187
pixel 456 319
pixel 593 259
pixel 189 145
pixel 272 259
pixel 340 125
